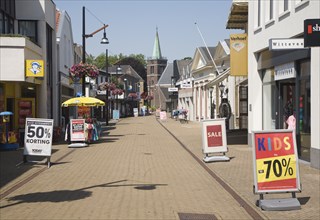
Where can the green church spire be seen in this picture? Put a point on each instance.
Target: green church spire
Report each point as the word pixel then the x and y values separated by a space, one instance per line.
pixel 156 48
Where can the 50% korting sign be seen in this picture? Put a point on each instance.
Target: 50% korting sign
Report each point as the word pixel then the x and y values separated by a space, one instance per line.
pixel 275 162
pixel 38 136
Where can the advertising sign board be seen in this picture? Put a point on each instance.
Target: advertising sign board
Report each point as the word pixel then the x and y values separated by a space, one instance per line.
pixel 311 32
pixel 77 130
pixel 275 161
pixel 115 114
pixel 135 112
pixel 38 137
pixel 163 115
pixel 214 138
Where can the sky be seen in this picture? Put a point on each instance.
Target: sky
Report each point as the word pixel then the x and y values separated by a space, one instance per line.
pixel 132 25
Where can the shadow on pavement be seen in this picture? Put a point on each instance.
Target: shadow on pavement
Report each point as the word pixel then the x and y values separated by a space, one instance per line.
pixel 71 195
pixel 11 164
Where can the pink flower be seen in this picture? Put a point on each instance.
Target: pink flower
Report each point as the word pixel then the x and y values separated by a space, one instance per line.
pixel 83 69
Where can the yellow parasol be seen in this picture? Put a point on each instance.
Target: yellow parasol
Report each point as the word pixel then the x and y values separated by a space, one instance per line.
pixel 83 101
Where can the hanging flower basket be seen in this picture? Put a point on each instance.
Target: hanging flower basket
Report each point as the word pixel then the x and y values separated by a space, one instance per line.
pixel 107 86
pixel 77 71
pixel 149 97
pixel 117 91
pixel 132 95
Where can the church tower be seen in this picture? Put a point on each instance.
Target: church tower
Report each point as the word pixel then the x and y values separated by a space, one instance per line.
pixel 155 67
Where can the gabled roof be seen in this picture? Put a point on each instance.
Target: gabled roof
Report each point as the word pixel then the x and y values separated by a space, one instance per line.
pixel 165 78
pixel 202 57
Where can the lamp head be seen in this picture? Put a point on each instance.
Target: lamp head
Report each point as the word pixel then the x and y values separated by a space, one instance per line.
pixel 221 87
pixel 104 40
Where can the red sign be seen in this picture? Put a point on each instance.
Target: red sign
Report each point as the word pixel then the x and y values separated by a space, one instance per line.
pixel 214 135
pixel 77 129
pixel 276 161
pixel 214 138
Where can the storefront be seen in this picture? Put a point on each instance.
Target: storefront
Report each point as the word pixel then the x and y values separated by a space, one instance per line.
pixel 286 94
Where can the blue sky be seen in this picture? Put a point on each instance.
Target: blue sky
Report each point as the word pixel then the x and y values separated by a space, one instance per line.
pixel 132 25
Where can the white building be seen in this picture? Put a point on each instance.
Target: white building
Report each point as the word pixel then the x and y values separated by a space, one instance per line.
pixel 273 97
pixel 28 38
pixel 65 59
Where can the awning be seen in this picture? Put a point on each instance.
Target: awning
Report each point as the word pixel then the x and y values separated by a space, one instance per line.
pixel 222 76
pixel 238 16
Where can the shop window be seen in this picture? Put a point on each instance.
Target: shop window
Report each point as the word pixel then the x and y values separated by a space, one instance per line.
pixel 269 100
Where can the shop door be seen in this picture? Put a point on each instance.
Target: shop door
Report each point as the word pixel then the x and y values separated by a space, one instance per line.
pixel 286 104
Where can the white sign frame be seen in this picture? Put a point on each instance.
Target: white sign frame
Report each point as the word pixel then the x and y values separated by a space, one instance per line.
pixel 220 148
pixel 77 136
pixel 38 137
pixel 279 190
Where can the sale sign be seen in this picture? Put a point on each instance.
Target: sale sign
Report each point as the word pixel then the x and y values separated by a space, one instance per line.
pixel 275 161
pixel 214 136
pixel 38 136
pixel 77 130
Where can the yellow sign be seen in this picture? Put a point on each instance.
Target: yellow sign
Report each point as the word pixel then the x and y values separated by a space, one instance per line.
pixel 276 168
pixel 34 68
pixel 238 55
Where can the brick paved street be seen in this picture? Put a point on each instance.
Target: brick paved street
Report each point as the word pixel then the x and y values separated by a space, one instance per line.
pixel 139 171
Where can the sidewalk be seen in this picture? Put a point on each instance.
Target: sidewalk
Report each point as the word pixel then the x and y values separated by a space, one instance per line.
pixel 139 171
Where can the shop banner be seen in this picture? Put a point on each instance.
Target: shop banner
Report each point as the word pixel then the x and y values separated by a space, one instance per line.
pixel 38 136
pixel 275 161
pixel 214 138
pixel 77 130
pixel 238 55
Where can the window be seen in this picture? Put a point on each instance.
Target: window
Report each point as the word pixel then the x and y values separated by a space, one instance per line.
pixel 29 29
pixel 271 10
pixel 285 5
pixel 259 13
pixel 152 70
pixel 6 23
pixel 269 100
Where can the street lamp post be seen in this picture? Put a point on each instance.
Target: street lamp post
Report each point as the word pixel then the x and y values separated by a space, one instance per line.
pixel 84 36
pixel 221 87
pixel 211 104
pixel 107 90
pixel 125 96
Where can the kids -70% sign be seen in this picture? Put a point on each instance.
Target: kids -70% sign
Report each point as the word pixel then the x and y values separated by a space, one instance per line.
pixel 275 161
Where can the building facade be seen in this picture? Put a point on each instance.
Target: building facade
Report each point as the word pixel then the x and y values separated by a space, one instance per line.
pixel 28 60
pixel 284 82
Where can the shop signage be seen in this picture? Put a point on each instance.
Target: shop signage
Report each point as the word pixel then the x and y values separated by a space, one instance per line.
pixel 311 32
pixel 34 68
pixel 173 89
pixel 214 138
pixel 77 130
pixel 286 44
pixel 275 161
pixel 101 92
pixel 38 136
pixel 186 86
pixel 238 55
pixel 284 71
